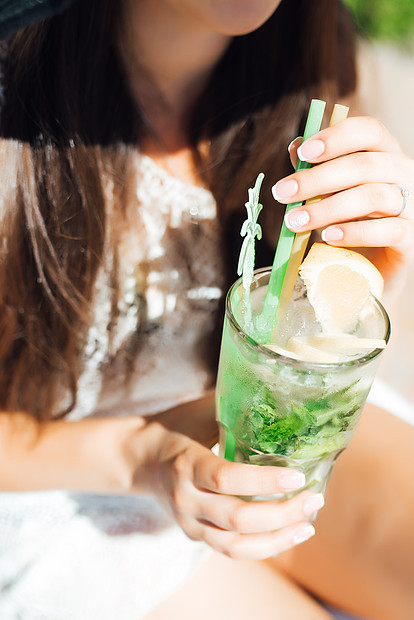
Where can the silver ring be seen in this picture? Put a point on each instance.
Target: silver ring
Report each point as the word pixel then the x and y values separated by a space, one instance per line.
pixel 405 194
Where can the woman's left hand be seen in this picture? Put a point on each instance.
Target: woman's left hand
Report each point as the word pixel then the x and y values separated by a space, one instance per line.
pixel 367 188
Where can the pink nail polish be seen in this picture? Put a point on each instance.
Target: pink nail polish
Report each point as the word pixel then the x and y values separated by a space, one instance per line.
pixel 291 143
pixel 291 480
pixel 283 190
pixel 303 533
pixel 332 234
pixel 311 149
pixel 296 219
pixel 314 503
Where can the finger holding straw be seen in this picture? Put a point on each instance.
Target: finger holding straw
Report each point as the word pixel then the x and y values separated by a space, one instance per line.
pixel 367 186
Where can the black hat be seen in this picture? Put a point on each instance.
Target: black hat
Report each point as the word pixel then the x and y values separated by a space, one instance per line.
pixel 15 14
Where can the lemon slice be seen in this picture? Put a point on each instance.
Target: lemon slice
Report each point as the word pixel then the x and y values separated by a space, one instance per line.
pixel 280 351
pixel 330 349
pixel 345 343
pixel 309 353
pixel 338 284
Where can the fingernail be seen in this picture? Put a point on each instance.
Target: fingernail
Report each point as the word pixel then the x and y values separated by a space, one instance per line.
pixel 291 480
pixel 291 143
pixel 303 533
pixel 311 149
pixel 296 219
pixel 332 234
pixel 314 503
pixel 285 189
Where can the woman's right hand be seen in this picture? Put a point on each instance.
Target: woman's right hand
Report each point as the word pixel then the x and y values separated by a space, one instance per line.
pixel 201 489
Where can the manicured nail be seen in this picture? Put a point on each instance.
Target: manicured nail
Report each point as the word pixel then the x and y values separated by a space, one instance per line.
pixel 313 504
pixel 291 144
pixel 296 219
pixel 332 234
pixel 285 189
pixel 311 149
pixel 291 480
pixel 303 533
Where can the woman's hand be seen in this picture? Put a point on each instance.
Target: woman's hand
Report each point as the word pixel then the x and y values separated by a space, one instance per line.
pixel 367 189
pixel 160 456
pixel 201 489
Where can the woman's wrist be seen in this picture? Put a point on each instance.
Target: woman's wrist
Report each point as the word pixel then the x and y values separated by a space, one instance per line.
pixel 141 454
pixel 116 455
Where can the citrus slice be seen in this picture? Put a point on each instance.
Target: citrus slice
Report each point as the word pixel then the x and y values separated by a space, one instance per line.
pixel 338 283
pixel 323 348
pixel 309 353
pixel 345 343
pixel 284 352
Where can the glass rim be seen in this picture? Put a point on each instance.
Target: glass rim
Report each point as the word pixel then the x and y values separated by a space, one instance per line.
pixel 253 344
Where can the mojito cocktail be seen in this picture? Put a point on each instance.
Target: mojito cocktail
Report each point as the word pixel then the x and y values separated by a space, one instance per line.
pixel 275 408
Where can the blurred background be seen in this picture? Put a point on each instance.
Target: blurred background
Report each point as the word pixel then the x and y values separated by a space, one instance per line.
pixel 386 90
pixel 386 20
pixel 387 63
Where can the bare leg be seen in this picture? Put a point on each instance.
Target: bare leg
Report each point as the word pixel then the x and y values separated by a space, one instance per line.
pixel 362 557
pixel 225 589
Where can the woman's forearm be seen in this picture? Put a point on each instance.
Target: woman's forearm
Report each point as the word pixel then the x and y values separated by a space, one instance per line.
pixel 91 455
pixel 99 454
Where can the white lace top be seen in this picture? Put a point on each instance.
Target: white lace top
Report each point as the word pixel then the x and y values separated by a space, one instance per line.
pixel 78 556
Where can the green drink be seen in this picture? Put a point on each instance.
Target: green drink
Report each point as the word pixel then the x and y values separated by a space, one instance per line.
pixel 274 408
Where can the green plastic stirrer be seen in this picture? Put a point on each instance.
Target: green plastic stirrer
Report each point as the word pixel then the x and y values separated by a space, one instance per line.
pixel 245 268
pixel 267 318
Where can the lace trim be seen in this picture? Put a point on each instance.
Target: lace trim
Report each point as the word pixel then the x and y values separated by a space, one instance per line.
pixel 170 284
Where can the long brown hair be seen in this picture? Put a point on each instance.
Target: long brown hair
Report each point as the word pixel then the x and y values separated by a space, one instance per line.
pixel 68 121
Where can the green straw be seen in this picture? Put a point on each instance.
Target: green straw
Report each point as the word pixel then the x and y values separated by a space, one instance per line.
pixel 267 318
pixel 266 321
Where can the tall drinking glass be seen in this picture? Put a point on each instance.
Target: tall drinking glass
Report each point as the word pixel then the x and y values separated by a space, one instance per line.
pixel 275 410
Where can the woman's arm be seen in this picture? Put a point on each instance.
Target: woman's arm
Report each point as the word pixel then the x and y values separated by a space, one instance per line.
pixel 160 455
pixel 99 454
pixel 86 455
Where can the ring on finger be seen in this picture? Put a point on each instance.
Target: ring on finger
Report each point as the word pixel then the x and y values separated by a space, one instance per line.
pixel 405 195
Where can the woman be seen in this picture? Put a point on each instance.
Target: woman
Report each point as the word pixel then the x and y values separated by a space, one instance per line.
pixel 131 132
